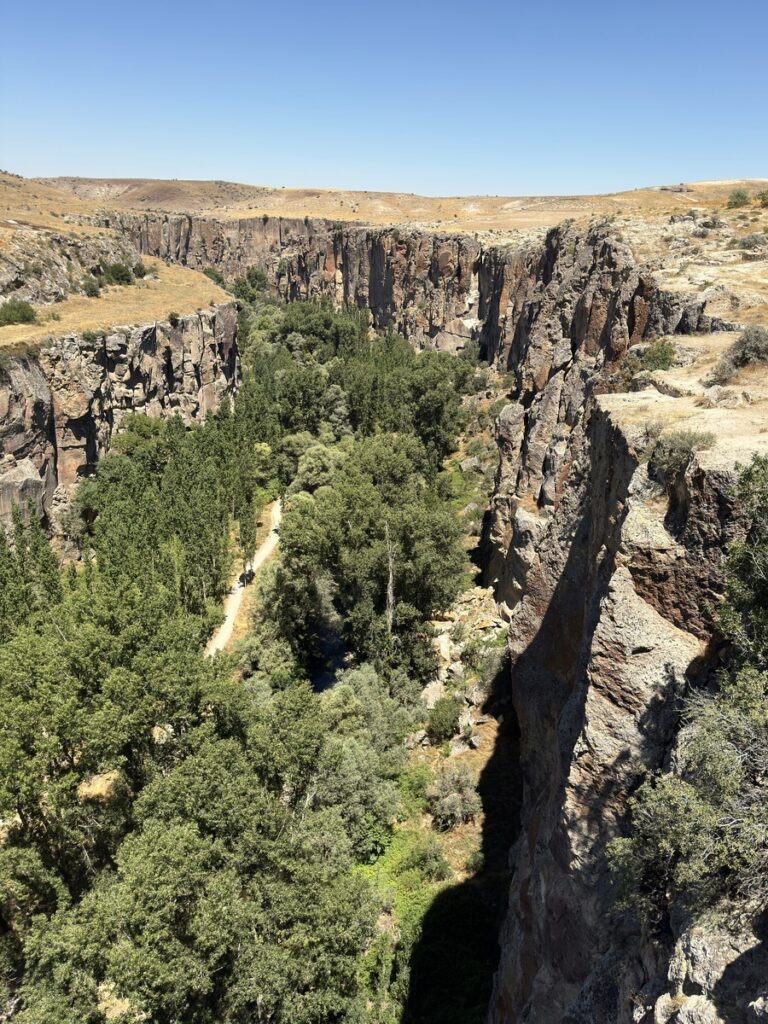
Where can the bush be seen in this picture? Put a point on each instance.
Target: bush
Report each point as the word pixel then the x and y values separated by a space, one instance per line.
pixel 16 311
pixel 414 783
pixel 174 319
pixel 116 273
pixel 443 719
pixel 657 355
pixel 215 276
pixel 91 287
pixel 762 197
pixel 425 857
pixel 755 240
pixel 739 197
pixel 750 347
pixel 140 270
pixel 453 798
pixel 674 451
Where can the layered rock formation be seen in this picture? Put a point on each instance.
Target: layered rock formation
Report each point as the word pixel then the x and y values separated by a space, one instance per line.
pixel 60 406
pixel 45 266
pixel 438 290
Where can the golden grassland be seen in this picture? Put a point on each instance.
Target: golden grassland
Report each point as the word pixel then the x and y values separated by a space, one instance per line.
pixel 229 200
pixel 176 289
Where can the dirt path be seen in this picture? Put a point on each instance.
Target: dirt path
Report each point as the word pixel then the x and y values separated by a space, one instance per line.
pixel 234 600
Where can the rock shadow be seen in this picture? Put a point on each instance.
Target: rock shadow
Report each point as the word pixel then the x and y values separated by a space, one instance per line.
pixel 454 960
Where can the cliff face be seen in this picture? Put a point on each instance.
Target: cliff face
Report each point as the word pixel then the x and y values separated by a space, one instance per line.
pixel 604 577
pixel 438 290
pixel 59 407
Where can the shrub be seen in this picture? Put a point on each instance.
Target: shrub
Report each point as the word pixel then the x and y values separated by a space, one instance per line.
pixel 215 276
pixel 657 355
pixel 674 451
pixel 739 197
pixel 89 337
pixel 750 347
pixel 762 197
pixel 414 783
pixel 174 319
pixel 453 798
pixel 16 311
pixel 425 856
pixel 140 270
pixel 91 287
pixel 755 240
pixel 116 273
pixel 443 719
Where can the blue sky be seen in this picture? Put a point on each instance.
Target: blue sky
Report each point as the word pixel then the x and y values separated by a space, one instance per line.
pixel 440 98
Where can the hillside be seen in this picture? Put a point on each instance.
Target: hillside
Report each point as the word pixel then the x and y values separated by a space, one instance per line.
pixel 228 200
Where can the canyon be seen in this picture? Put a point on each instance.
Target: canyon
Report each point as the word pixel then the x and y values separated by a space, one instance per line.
pixel 601 573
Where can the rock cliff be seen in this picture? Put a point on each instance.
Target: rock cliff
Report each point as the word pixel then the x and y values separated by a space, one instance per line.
pixel 438 290
pixel 604 577
pixel 60 405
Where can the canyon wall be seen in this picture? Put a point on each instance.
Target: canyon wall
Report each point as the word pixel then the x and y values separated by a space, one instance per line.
pixel 439 291
pixel 605 578
pixel 59 406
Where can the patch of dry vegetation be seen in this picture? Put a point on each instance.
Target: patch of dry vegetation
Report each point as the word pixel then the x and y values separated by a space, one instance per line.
pixel 174 288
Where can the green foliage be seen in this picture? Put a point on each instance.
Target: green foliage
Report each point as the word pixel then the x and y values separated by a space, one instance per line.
pixel 140 270
pixel 116 273
pixel 250 287
pixel 174 319
pixel 216 276
pixel 749 348
pixel 673 452
pixel 16 311
pixel 443 720
pixel 453 798
pixel 762 197
pixel 657 355
pixel 91 287
pixel 738 197
pixel 191 847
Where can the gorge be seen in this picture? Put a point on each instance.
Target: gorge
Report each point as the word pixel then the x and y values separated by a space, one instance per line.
pixel 604 568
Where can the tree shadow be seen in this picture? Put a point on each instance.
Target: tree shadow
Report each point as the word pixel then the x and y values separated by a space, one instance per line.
pixel 454 960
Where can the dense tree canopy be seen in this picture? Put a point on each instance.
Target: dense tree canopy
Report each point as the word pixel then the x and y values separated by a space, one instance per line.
pixel 179 843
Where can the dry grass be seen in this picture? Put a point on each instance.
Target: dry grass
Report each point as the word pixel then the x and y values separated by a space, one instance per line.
pixel 230 200
pixel 177 290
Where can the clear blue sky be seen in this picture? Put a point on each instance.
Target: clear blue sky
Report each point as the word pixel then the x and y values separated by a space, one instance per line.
pixel 449 98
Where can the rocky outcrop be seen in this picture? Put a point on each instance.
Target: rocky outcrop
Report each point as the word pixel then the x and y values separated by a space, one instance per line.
pixel 60 406
pixel 440 291
pixel 45 266
pixel 605 578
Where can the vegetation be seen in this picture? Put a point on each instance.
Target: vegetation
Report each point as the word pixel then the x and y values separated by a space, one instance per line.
pixel 443 719
pixel 116 273
pixel 16 311
pixel 91 287
pixel 216 276
pixel 453 798
pixel 182 845
pixel 751 347
pixel 699 834
pixel 656 355
pixel 673 452
pixel 739 197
